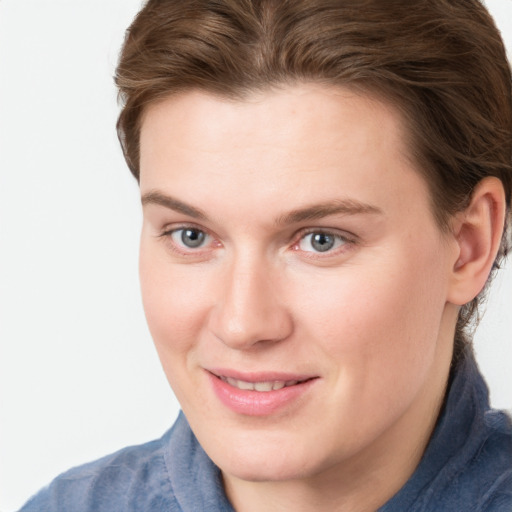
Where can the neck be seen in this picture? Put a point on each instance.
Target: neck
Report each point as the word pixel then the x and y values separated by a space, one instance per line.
pixel 367 480
pixel 362 484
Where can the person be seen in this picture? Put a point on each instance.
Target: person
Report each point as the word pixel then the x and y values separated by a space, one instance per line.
pixel 326 188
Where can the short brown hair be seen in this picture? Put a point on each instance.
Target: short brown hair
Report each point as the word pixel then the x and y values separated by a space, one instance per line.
pixel 442 63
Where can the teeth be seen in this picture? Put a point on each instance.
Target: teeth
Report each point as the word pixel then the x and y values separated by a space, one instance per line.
pixel 263 387
pixel 245 385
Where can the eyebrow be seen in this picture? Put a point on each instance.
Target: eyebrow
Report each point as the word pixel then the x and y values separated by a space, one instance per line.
pixel 172 203
pixel 321 210
pixel 308 213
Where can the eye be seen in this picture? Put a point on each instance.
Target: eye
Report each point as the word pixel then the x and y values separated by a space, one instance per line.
pixel 321 242
pixel 190 238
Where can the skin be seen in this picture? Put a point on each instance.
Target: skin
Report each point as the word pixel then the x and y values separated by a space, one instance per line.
pixel 372 319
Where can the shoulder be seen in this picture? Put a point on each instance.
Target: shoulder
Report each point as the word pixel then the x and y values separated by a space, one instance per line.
pixel 136 474
pixel 484 482
pixel 479 472
pixel 172 474
pixel 490 471
pixel 468 462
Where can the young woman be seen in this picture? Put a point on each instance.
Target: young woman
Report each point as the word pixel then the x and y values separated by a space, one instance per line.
pixel 326 187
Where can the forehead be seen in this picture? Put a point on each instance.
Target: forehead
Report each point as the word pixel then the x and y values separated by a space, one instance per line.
pixel 296 112
pixel 307 142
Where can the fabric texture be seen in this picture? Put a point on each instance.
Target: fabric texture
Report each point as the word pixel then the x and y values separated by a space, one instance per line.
pixel 467 467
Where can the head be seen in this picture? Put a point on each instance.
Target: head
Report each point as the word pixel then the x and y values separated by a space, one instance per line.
pixel 441 65
pixel 310 196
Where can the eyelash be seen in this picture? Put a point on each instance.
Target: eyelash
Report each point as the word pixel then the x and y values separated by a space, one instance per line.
pixel 167 235
pixel 346 240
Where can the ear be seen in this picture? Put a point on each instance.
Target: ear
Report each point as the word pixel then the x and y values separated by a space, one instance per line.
pixel 477 231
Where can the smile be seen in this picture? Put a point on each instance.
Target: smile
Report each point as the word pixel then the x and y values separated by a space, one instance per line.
pixel 260 394
pixel 263 387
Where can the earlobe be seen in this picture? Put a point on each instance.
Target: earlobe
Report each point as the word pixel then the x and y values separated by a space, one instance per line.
pixel 478 233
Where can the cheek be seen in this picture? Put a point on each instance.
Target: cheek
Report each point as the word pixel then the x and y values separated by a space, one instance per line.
pixel 378 330
pixel 388 312
pixel 174 298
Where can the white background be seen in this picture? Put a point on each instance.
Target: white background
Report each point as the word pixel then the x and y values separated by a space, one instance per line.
pixel 79 377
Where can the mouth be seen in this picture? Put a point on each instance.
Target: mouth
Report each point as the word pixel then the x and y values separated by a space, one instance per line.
pixel 260 394
pixel 264 386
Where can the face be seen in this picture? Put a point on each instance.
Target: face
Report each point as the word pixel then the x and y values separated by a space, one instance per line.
pixel 293 277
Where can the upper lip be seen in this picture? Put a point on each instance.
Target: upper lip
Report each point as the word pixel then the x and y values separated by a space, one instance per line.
pixel 267 376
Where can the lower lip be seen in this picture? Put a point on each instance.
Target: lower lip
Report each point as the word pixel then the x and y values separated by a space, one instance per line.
pixel 258 403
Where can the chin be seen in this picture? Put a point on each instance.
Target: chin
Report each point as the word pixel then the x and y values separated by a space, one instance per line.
pixel 268 470
pixel 266 457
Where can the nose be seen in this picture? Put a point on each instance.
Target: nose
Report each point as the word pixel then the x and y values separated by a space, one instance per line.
pixel 250 311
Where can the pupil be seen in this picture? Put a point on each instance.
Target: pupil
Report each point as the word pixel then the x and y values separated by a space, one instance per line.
pixel 322 242
pixel 192 237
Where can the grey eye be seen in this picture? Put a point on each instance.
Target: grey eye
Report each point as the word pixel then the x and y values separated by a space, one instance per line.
pixel 322 242
pixel 192 238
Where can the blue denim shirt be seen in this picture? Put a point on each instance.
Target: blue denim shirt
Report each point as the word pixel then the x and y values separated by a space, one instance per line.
pixel 467 467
